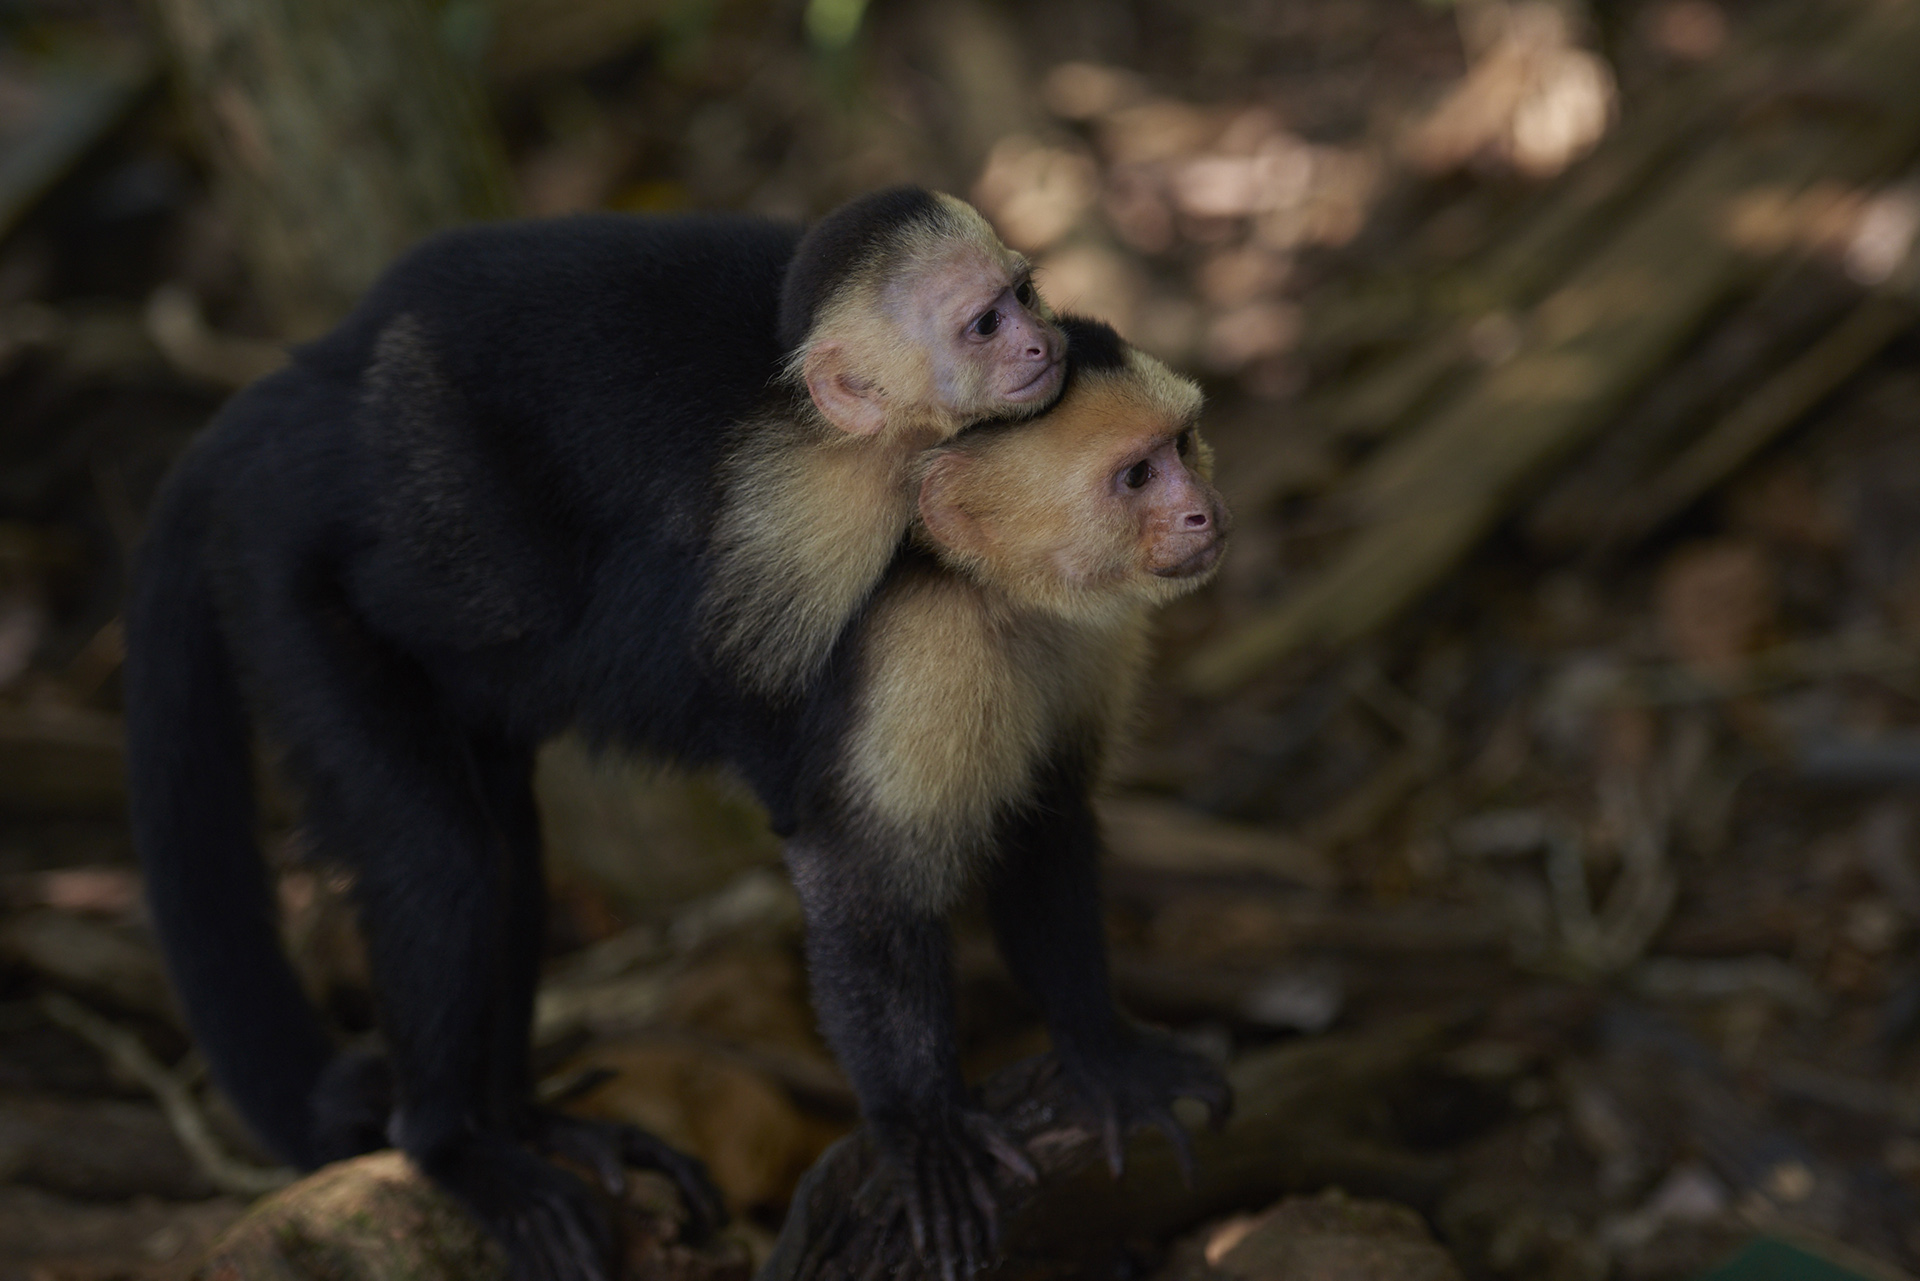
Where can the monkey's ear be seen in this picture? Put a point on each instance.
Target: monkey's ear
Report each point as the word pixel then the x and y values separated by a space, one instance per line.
pixel 948 523
pixel 849 402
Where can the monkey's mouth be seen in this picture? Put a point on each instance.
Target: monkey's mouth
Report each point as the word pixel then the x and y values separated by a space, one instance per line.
pixel 1041 384
pixel 1197 564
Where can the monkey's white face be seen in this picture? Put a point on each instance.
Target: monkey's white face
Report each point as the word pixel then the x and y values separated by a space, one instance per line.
pixel 992 343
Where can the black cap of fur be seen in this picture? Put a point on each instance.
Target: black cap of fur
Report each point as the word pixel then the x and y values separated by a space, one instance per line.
pixel 839 243
pixel 1092 344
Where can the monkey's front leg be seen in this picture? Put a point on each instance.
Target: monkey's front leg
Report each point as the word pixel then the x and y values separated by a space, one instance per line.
pixel 1044 899
pixel 883 987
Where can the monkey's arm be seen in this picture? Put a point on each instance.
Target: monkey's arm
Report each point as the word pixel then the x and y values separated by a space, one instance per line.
pixel 883 987
pixel 1044 900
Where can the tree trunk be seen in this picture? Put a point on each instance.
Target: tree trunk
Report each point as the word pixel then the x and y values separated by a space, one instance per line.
pixel 340 132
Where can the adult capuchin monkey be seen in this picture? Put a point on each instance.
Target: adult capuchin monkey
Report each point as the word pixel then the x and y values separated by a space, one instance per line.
pixel 984 686
pixel 624 476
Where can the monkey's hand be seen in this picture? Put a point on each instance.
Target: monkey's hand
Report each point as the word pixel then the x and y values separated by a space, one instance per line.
pixel 547 1220
pixel 942 1170
pixel 1134 1080
pixel 610 1149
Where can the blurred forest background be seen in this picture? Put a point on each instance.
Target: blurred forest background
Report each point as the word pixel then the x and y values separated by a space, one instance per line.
pixel 1529 811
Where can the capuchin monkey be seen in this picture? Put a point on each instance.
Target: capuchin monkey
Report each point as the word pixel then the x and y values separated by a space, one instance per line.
pixel 630 477
pixel 988 679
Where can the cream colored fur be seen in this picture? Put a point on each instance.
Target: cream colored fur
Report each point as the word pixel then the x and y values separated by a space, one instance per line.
pixel 963 699
pixel 1029 642
pixel 872 316
pixel 812 516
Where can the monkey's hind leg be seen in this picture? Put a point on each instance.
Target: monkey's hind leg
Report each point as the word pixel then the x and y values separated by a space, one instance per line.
pixel 503 778
pixel 391 792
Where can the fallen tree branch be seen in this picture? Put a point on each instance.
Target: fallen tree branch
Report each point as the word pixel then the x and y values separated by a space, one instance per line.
pixel 1777 404
pixel 126 1052
pixel 1424 501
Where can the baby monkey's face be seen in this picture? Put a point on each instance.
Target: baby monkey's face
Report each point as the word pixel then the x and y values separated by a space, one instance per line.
pixel 951 333
pixel 993 348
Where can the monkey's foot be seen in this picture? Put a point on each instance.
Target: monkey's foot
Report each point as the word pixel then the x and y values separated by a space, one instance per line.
pixel 610 1149
pixel 547 1220
pixel 942 1184
pixel 1135 1082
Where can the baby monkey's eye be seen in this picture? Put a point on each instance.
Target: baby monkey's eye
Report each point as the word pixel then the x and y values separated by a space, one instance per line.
pixel 1138 474
pixel 1024 292
pixel 1183 443
pixel 987 324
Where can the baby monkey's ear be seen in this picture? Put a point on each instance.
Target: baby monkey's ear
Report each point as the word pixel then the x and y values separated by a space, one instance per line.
pixel 849 402
pixel 943 505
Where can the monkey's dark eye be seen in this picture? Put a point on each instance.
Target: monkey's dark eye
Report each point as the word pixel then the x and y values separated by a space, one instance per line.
pixel 1024 292
pixel 987 324
pixel 1138 474
pixel 1183 443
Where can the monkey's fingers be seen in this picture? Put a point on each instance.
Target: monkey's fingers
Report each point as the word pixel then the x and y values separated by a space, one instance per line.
pixel 1001 1145
pixel 703 1199
pixel 589 1255
pixel 706 1209
pixel 911 1194
pixel 588 1236
pixel 946 1233
pixel 878 1263
pixel 840 1224
pixel 548 1243
pixel 586 1147
pixel 988 1205
pixel 978 1225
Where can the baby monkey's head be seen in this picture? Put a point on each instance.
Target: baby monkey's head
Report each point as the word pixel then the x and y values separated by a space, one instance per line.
pixel 906 317
pixel 1105 500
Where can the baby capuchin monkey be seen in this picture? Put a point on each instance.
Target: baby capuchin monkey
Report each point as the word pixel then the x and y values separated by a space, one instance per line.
pixel 905 319
pixel 995 667
pixel 631 477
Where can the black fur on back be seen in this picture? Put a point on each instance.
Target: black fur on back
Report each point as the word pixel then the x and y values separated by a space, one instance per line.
pixel 837 244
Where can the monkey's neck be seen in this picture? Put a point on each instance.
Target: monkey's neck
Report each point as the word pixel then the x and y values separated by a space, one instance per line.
pixel 962 696
pixel 810 520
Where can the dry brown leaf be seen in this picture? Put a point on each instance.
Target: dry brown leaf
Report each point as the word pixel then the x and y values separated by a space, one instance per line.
pixel 1715 602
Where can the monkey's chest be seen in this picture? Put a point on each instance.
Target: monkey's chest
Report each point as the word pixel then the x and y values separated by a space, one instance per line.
pixel 958 718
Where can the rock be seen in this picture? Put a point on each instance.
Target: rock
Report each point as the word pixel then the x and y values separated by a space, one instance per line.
pixel 376 1218
pixel 1330 1237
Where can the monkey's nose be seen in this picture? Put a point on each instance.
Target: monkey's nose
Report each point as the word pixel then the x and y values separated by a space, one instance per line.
pixel 1196 520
